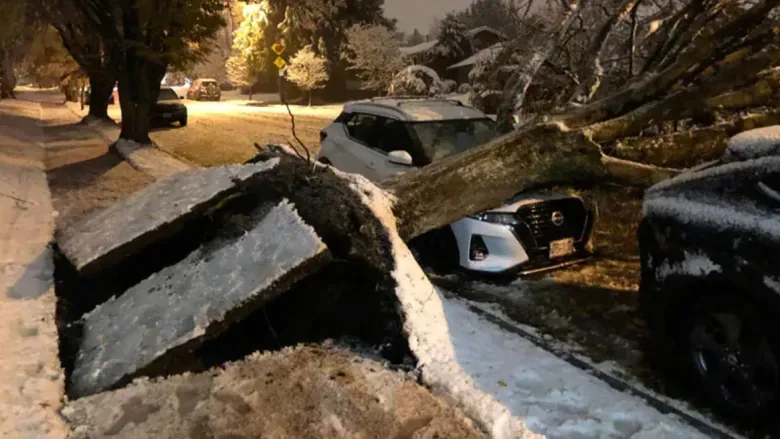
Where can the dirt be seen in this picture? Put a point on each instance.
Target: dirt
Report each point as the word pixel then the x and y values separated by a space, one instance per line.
pixel 213 139
pixel 83 175
pixel 302 392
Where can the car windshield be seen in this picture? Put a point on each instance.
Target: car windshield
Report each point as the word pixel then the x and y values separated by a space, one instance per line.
pixel 166 94
pixel 444 138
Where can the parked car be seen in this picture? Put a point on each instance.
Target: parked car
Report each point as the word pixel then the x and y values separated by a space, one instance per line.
pixel 382 137
pixel 169 108
pixel 204 89
pixel 710 283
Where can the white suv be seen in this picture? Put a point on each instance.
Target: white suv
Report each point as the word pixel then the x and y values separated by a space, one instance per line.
pixel 381 137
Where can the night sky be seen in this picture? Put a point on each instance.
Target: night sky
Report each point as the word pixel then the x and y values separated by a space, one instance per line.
pixel 419 14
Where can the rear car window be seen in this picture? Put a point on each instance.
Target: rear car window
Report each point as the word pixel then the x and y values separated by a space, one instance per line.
pixel 166 94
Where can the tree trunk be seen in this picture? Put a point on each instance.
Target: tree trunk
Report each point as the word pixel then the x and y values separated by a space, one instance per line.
pixel 310 92
pixel 7 77
pixel 485 177
pixel 100 91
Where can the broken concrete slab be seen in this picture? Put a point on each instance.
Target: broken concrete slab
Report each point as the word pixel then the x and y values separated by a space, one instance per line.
pixel 175 309
pixel 301 392
pixel 159 210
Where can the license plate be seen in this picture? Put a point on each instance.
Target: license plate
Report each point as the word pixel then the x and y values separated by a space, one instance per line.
pixel 562 247
pixel 166 115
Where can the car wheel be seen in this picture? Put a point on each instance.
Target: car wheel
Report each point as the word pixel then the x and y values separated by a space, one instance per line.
pixel 733 357
pixel 437 250
pixel 183 122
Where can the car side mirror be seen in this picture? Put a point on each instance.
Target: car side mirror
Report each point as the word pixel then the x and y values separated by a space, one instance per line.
pixel 181 97
pixel 400 158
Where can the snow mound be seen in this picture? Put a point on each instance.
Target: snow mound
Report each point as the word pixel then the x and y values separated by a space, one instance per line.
pixel 511 387
pixel 416 81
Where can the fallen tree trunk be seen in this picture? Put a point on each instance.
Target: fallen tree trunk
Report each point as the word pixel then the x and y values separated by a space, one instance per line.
pixel 485 177
pixel 689 148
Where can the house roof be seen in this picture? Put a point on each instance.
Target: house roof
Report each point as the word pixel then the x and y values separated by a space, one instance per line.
pixel 420 48
pixel 473 32
pixel 470 61
pixel 428 45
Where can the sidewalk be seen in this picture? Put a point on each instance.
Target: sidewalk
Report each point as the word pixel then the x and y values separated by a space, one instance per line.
pixel 31 381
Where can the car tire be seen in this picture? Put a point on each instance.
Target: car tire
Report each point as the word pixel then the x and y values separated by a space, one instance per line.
pixel 437 250
pixel 183 122
pixel 731 356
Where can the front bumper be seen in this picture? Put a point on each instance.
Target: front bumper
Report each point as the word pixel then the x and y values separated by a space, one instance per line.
pixel 172 116
pixel 518 249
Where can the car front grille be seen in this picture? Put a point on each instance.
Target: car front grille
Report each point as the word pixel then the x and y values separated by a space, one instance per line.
pixel 537 228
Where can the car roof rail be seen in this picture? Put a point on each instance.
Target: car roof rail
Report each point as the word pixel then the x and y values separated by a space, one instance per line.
pixel 404 100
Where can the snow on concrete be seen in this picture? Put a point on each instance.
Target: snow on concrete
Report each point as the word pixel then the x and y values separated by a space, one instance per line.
pixel 31 380
pixel 150 160
pixel 183 302
pixel 507 384
pixel 149 210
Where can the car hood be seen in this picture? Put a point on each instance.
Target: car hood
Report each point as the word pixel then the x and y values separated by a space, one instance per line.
pixel 754 144
pixel 721 198
pixel 525 199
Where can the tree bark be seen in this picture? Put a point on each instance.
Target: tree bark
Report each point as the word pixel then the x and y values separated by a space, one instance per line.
pixel 101 88
pixel 7 77
pixel 689 148
pixel 681 103
pixel 485 177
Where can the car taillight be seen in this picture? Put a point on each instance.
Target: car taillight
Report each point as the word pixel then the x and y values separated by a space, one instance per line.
pixel 323 135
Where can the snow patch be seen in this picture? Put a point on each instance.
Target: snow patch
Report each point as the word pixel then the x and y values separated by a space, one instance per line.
pixel 714 214
pixel 513 388
pixel 693 264
pixel 149 159
pixel 773 283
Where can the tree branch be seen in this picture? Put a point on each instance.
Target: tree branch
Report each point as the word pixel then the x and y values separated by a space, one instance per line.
pixel 591 72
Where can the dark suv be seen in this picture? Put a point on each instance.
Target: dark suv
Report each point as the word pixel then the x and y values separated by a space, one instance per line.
pixel 169 108
pixel 710 286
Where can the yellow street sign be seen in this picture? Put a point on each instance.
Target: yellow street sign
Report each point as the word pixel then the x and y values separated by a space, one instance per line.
pixel 278 48
pixel 279 63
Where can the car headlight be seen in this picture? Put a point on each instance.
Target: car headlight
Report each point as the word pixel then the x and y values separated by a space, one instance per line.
pixel 503 218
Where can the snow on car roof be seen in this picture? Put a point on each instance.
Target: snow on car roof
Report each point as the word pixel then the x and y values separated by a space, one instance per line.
pixel 419 110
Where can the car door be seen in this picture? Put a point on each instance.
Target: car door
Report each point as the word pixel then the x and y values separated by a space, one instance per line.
pixel 357 153
pixel 393 137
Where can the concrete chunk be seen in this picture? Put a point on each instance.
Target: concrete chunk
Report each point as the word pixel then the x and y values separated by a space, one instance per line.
pixel 105 238
pixel 216 285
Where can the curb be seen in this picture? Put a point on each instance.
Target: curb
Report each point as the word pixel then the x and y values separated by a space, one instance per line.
pixel 151 160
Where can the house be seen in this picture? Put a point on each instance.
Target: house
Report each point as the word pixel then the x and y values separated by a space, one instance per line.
pixel 481 38
pixel 460 70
